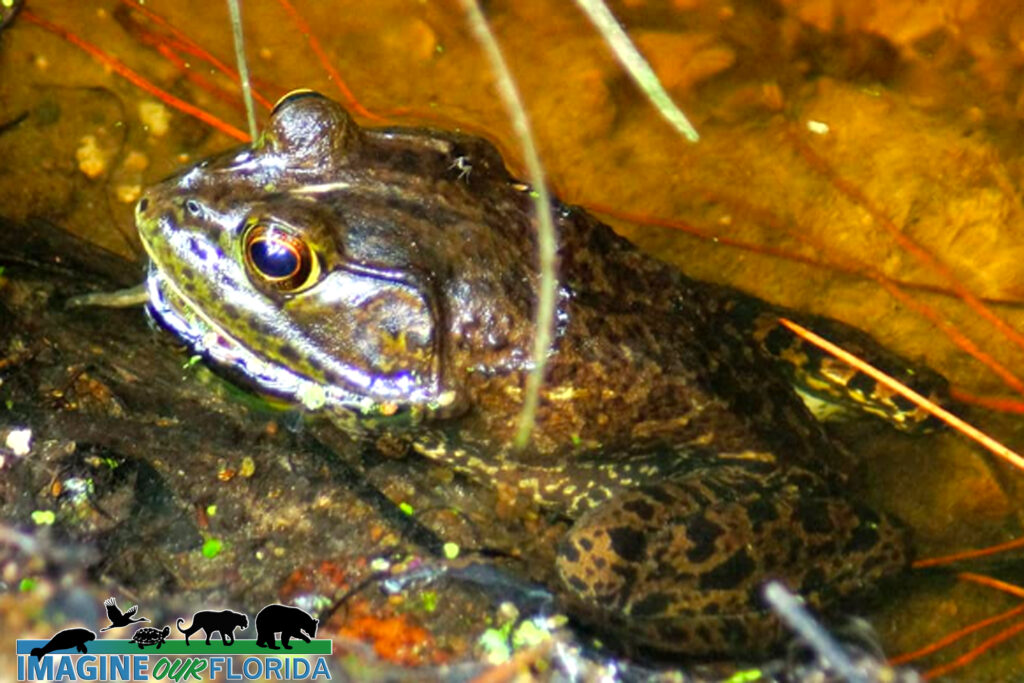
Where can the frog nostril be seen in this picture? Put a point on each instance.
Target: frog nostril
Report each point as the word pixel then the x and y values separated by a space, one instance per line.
pixel 143 204
pixel 193 207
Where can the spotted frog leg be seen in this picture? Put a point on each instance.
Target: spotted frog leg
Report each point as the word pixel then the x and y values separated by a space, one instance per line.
pixel 676 565
pixel 669 551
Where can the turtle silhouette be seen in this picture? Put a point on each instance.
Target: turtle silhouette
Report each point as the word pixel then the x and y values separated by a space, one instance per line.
pixel 147 635
pixel 119 619
pixel 65 640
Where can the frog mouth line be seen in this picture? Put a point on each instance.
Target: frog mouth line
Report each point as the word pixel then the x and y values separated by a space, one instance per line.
pixel 178 313
pixel 172 309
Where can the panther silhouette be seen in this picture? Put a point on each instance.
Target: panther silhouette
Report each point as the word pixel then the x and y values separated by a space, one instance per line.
pixel 209 621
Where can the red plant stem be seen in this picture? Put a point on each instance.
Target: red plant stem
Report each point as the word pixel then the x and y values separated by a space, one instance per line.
pixel 135 78
pixel 189 46
pixel 893 285
pixel 325 61
pixel 894 289
pixel 969 554
pixel 996 403
pixel 168 53
pixel 988 581
pixel 815 161
pixel 776 252
pixel 707 235
pixel 955 636
pixel 955 335
pixel 867 270
pixel 970 656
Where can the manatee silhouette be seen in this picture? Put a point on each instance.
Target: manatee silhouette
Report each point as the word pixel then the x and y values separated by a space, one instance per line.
pixel 65 640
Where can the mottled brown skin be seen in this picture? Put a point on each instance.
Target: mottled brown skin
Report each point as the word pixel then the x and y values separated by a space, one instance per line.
pixel 691 468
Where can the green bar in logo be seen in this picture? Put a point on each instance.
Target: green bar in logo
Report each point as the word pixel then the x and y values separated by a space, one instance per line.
pixel 195 648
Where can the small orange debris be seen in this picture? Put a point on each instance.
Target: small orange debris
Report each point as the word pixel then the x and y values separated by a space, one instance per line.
pixel 395 638
pixel 328 577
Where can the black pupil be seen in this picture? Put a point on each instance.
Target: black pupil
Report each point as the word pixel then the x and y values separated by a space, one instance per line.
pixel 273 258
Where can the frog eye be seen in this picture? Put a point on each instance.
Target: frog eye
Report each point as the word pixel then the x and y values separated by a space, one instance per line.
pixel 279 258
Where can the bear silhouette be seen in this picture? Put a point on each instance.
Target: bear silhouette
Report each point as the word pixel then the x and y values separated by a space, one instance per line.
pixel 209 621
pixel 65 640
pixel 290 622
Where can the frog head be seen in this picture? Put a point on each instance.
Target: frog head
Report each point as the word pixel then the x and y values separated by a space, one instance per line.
pixel 314 266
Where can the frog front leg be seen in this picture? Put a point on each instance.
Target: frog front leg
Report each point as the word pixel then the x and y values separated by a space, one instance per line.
pixel 676 566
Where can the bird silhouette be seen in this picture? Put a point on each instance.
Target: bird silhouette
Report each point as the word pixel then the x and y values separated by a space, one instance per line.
pixel 117 619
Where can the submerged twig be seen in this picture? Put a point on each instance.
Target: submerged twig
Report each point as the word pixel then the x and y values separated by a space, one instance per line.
pixel 546 288
pixel 122 298
pixel 637 67
pixel 243 64
pixel 11 123
pixel 8 10
pixel 792 612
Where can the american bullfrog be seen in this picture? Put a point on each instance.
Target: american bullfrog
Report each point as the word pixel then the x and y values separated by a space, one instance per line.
pixel 384 279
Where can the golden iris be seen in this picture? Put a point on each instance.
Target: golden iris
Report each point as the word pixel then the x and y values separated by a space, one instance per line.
pixel 279 258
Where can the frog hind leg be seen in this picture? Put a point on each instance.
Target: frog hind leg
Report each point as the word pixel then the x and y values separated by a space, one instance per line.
pixel 677 566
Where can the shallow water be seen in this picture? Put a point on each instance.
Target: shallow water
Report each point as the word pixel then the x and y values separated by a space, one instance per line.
pixel 815 140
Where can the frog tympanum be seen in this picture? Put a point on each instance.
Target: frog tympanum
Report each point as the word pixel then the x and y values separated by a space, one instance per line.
pixel 386 278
